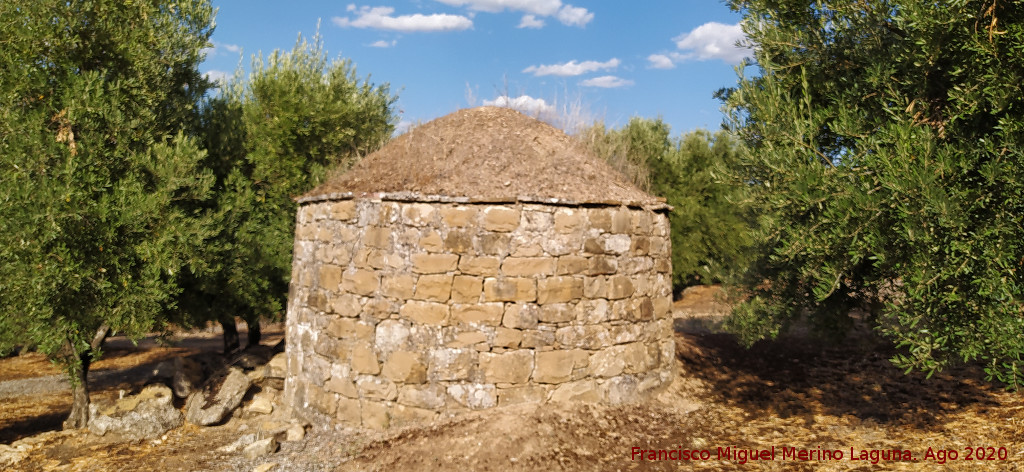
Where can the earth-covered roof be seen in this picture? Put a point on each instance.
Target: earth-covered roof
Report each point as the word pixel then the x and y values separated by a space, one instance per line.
pixel 487 154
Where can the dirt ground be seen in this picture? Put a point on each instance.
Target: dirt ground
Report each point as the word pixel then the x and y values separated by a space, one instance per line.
pixel 792 394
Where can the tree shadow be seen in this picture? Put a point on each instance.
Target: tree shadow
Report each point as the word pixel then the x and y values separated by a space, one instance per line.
pixel 797 377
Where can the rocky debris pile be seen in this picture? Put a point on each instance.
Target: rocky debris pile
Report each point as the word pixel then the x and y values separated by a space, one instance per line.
pixel 147 415
pixel 211 389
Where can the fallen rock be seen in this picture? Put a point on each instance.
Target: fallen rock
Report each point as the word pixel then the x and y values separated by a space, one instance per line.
pixel 147 415
pixel 295 433
pixel 277 368
pixel 220 397
pixel 265 467
pixel 241 443
pixel 260 448
pixel 262 403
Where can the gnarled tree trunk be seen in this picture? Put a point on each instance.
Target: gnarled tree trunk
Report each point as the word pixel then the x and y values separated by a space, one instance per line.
pixel 231 342
pixel 79 417
pixel 255 334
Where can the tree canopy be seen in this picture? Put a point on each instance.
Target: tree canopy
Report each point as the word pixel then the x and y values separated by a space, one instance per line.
pixel 710 219
pixel 98 103
pixel 271 136
pixel 886 159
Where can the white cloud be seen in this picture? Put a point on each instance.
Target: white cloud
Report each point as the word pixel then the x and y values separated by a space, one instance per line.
pixel 217 47
pixel 536 107
pixel 531 21
pixel 574 16
pixel 218 76
pixel 383 44
pixel 661 61
pixel 536 7
pixel 381 18
pixel 567 14
pixel 606 81
pixel 713 41
pixel 571 68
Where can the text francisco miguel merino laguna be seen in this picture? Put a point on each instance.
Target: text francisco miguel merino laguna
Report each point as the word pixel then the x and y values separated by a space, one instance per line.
pixel 785 453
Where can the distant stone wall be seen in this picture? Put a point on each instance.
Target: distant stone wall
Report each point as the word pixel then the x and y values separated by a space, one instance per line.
pixel 402 311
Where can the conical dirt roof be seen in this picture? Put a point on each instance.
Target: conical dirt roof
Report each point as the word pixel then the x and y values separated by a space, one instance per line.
pixel 487 154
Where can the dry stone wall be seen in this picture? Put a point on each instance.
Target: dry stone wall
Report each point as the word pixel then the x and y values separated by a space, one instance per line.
pixel 402 311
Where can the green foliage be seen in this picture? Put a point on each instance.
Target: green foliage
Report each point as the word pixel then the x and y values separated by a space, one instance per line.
pixel 272 136
pixel 710 219
pixel 96 166
pixel 886 155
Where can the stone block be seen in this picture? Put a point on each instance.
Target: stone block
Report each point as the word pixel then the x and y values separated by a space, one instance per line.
pixel 400 286
pixel 459 241
pixel 572 265
pixel 364 359
pixel 527 266
pixel 559 289
pixel 568 220
pixel 593 311
pixel 629 332
pixel 377 237
pixel 489 314
pixel 349 411
pixel 362 282
pixel 374 415
pixel 593 246
pixel 640 309
pixel 510 290
pixel 450 364
pixel 500 219
pixel 402 415
pixel 377 309
pixel 595 287
pixel 538 338
pixel 376 388
pixel 662 307
pixel 578 391
pixel 495 244
pixel 428 313
pixel 641 246
pixel 330 277
pixel 523 394
pixel 474 396
pixel 506 337
pixel 663 265
pixel 553 367
pixel 330 348
pixel 350 329
pixel 621 389
pixel 619 286
pixel 467 339
pixel 344 210
pixel 342 385
pixel 607 362
pixel 617 244
pixel 642 222
pixel 427 396
pixel 590 337
pixel 483 266
pixel 601 219
pixel 520 316
pixel 434 287
pixel 337 254
pixel 417 214
pixel 602 265
pixel 622 221
pixel 557 313
pixel 423 263
pixel 510 367
pixel 562 244
pixel 467 289
pixel 458 216
pixel 391 335
pixel 431 242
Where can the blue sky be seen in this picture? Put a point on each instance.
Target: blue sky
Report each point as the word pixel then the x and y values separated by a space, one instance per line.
pixel 566 62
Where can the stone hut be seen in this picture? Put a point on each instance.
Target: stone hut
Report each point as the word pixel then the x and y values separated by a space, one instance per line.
pixel 482 259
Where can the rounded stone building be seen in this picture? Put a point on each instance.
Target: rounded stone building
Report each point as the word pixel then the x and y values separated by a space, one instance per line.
pixel 482 259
